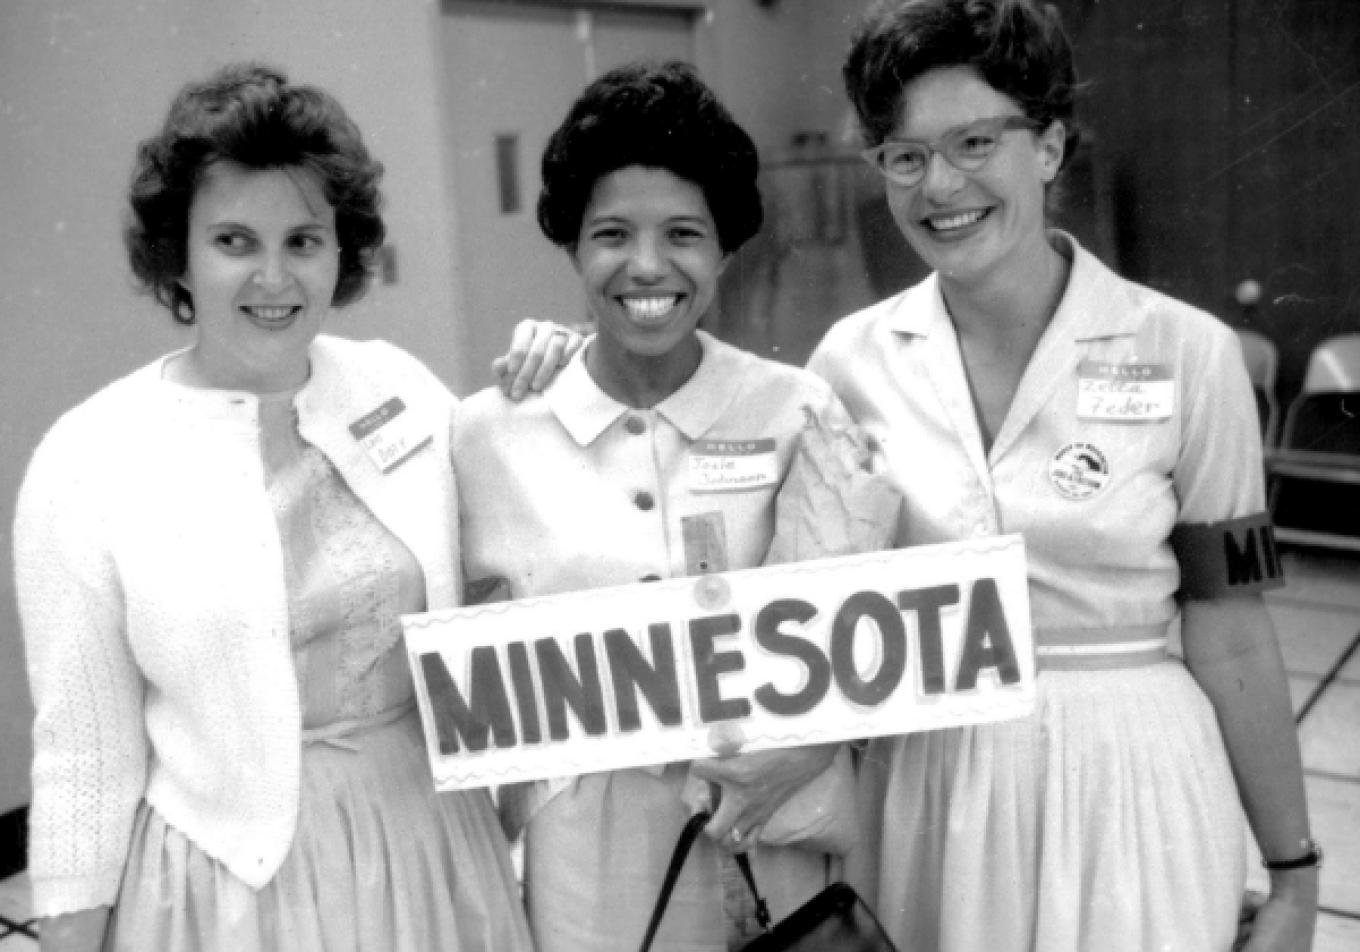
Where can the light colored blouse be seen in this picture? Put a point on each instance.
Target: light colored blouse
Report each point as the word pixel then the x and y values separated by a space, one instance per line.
pixel 348 581
pixel 1095 498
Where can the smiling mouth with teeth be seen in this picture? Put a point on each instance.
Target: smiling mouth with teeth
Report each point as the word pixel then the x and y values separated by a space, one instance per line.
pixel 952 222
pixel 266 313
pixel 650 308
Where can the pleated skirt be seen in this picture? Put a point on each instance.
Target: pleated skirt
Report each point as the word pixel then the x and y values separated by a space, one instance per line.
pixel 1108 821
pixel 380 863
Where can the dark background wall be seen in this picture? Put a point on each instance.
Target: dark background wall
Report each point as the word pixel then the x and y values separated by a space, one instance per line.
pixel 1227 147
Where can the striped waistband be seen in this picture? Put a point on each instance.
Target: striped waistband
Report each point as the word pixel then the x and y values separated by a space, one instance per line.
pixel 1099 649
pixel 344 734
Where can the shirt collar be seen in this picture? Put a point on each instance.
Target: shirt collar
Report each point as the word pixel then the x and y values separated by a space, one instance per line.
pixel 586 411
pixel 705 397
pixel 1094 304
pixel 1097 302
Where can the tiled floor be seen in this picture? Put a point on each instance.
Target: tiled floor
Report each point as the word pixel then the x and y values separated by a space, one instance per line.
pixel 1318 618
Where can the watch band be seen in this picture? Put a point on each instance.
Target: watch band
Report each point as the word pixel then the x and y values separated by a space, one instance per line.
pixel 1313 857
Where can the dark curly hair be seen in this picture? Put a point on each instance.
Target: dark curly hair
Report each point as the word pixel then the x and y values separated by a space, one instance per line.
pixel 249 114
pixel 1017 46
pixel 656 115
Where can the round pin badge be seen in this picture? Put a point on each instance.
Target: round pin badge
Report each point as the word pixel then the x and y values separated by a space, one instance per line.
pixel 1079 471
pixel 712 592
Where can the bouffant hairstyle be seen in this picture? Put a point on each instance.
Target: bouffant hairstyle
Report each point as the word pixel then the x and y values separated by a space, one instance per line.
pixel 249 114
pixel 1017 46
pixel 655 115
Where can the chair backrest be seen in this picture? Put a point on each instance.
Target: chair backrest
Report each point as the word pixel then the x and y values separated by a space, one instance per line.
pixel 1334 366
pixel 1325 416
pixel 1263 361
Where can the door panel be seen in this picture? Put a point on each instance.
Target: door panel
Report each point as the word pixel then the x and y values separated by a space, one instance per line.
pixel 622 35
pixel 512 71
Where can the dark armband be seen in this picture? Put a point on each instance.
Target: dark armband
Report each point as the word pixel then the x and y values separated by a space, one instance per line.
pixel 1233 557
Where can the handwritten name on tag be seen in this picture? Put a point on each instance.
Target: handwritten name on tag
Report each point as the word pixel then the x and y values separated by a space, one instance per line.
pixel 1129 393
pixel 717 466
pixel 389 434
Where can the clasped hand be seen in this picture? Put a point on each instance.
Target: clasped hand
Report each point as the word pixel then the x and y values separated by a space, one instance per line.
pixel 743 790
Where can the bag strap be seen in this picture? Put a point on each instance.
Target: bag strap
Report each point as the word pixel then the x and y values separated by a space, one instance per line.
pixel 762 909
pixel 687 837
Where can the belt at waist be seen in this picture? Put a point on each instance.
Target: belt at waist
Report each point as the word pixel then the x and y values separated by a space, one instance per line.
pixel 1095 649
pixel 344 734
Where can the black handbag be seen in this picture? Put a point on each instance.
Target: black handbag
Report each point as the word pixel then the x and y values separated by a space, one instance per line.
pixel 834 920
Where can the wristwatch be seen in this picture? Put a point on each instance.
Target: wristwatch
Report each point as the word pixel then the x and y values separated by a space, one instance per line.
pixel 1313 857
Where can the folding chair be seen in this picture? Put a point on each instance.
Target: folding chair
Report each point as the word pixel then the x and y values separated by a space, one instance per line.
pixel 1315 472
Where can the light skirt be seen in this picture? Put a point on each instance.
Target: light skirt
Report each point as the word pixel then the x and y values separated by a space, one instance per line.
pixel 379 863
pixel 1107 821
pixel 595 856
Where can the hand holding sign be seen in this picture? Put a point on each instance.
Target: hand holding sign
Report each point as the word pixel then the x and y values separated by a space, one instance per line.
pixel 752 787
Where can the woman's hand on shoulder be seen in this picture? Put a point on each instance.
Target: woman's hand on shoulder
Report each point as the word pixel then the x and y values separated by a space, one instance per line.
pixel 538 351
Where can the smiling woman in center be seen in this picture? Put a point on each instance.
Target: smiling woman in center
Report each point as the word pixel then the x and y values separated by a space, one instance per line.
pixel 657 453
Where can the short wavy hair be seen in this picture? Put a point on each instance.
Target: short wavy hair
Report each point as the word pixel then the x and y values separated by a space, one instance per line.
pixel 655 115
pixel 249 114
pixel 1018 47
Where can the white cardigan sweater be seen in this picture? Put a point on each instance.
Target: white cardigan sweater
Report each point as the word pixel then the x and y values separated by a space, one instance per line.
pixel 150 584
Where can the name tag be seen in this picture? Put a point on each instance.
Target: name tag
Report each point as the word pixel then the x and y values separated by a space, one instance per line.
pixel 1128 393
pixel 389 434
pixel 722 466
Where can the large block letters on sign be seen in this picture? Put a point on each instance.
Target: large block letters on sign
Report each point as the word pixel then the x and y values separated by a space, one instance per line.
pixel 833 649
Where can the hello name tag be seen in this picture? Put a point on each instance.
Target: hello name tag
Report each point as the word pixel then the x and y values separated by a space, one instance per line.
pixel 1124 393
pixel 724 466
pixel 389 434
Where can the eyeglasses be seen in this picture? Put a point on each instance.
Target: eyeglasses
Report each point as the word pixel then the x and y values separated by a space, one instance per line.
pixel 967 148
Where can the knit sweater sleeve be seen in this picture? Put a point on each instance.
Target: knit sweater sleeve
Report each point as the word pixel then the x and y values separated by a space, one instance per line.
pixel 89 739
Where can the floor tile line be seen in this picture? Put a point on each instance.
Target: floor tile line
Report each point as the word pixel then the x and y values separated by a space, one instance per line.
pixel 1340 913
pixel 1298 601
pixel 1327 680
pixel 1342 680
pixel 1318 774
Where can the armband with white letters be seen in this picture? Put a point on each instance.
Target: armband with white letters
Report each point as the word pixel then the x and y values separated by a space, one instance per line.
pixel 1232 557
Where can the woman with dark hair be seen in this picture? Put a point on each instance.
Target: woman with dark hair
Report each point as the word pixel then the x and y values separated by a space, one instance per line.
pixel 1024 387
pixel 650 186
pixel 212 554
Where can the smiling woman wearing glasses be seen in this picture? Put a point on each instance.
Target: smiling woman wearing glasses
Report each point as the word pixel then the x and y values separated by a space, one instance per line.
pixel 1024 387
